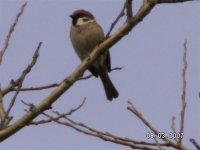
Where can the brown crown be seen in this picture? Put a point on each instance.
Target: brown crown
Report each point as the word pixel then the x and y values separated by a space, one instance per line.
pixel 81 13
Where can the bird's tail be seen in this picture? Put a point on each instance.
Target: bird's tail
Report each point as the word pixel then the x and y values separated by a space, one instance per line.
pixel 109 88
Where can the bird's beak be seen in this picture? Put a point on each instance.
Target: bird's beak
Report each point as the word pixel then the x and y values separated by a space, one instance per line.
pixel 72 16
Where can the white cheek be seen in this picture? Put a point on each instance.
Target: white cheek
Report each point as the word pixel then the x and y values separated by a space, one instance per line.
pixel 81 22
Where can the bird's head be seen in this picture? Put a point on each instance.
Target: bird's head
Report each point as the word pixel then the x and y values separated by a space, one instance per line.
pixel 81 17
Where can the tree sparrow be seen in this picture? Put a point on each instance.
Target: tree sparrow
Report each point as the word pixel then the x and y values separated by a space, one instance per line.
pixel 85 35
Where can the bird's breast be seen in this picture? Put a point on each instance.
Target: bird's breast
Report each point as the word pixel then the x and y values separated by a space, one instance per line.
pixel 85 38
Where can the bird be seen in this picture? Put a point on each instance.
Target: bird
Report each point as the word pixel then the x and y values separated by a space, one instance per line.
pixel 85 35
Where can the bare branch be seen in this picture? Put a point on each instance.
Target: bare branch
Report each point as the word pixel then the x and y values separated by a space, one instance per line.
pixel 72 110
pixel 80 127
pixel 121 14
pixel 3 115
pixel 57 113
pixel 173 126
pixel 39 87
pixel 12 28
pixel 13 83
pixel 89 76
pixel 193 141
pixel 134 110
pixel 23 76
pixel 129 9
pixel 183 97
pixel 171 1
pixel 30 105
pixel 158 144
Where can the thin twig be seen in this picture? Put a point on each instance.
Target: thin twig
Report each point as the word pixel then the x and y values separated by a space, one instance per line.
pixel 121 14
pixel 3 115
pixel 170 1
pixel 57 113
pixel 129 9
pixel 173 126
pixel 158 144
pixel 25 89
pixel 39 87
pixel 89 76
pixel 14 85
pixel 134 110
pixel 91 131
pixel 73 109
pixel 183 97
pixel 23 76
pixel 30 105
pixel 12 28
pixel 193 141
pixel 80 127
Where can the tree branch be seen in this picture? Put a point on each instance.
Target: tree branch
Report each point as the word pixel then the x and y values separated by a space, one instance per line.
pixel 3 115
pixel 129 9
pixel 12 28
pixel 20 81
pixel 12 87
pixel 59 116
pixel 183 97
pixel 170 1
pixel 121 14
pixel 80 127
pixel 134 110
pixel 193 141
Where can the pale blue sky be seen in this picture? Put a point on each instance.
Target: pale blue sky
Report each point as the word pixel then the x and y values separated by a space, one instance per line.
pixel 151 57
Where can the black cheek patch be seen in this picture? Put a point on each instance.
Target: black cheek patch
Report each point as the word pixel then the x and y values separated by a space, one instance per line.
pixel 74 21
